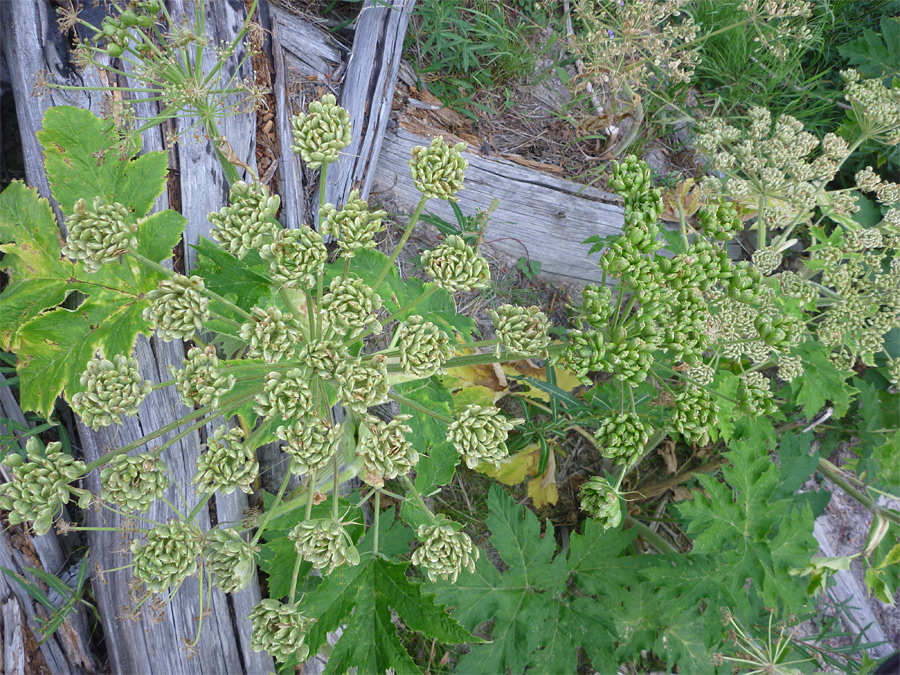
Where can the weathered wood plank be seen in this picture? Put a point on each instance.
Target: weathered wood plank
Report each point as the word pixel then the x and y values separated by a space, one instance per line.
pixel 13 638
pixel 548 216
pixel 367 93
pixel 301 52
pixel 204 187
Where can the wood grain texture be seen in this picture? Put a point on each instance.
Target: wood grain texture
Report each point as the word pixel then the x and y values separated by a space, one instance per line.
pixel 548 216
pixel 301 53
pixel 367 93
pixel 204 187
pixel 13 638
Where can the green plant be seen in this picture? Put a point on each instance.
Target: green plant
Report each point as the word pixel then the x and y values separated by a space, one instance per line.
pixel 765 62
pixel 291 327
pixel 463 49
pixel 68 600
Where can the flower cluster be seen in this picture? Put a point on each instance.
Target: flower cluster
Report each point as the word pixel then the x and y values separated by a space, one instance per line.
pixel 200 381
pixel 600 501
pixel 227 464
pixel 279 629
pixel 622 436
pixel 112 388
pixel 385 451
pixel 134 483
pixel 354 226
pixel 320 134
pixel 444 552
pixel 99 234
pixel 248 221
pixel 325 543
pixel 167 557
pixel 296 257
pixel 41 485
pixel 479 434
pixel 522 330
pixel 423 347
pixel 271 334
pixel 310 443
pixel 230 559
pixel 456 266
pixel 178 307
pixel 438 170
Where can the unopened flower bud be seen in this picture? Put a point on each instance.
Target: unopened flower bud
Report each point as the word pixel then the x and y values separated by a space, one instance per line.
pixel 114 388
pixel 439 169
pixel 227 463
pixel 444 552
pixel 134 483
pixel 167 557
pixel 456 266
pixel 99 234
pixel 178 307
pixel 320 134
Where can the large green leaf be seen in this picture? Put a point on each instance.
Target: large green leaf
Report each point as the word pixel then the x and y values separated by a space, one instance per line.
pixel 363 597
pixel 29 239
pixel 755 534
pixel 55 343
pixel 821 383
pixel 83 162
pixel 876 54
pixel 536 623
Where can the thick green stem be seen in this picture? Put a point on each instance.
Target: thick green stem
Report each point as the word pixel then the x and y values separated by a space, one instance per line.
pixel 233 401
pixel 401 243
pixel 651 537
pixel 294 578
pixel 835 475
pixel 418 498
pixel 199 506
pixel 375 522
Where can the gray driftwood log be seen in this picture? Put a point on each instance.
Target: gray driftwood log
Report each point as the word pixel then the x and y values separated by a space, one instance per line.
pixel 367 93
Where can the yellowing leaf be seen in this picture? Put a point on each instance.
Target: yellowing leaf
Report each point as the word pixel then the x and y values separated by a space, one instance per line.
pixel 476 395
pixel 515 468
pixel 542 489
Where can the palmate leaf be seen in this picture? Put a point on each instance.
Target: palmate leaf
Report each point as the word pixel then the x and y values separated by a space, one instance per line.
pixel 537 623
pixel 821 383
pixel 876 54
pixel 754 534
pixel 55 343
pixel 363 597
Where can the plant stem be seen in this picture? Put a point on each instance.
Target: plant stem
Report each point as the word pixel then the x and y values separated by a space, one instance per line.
pixel 233 402
pixel 294 578
pixel 835 475
pixel 262 526
pixel 651 537
pixel 401 243
pixel 200 504
pixel 376 521
pixel 415 493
